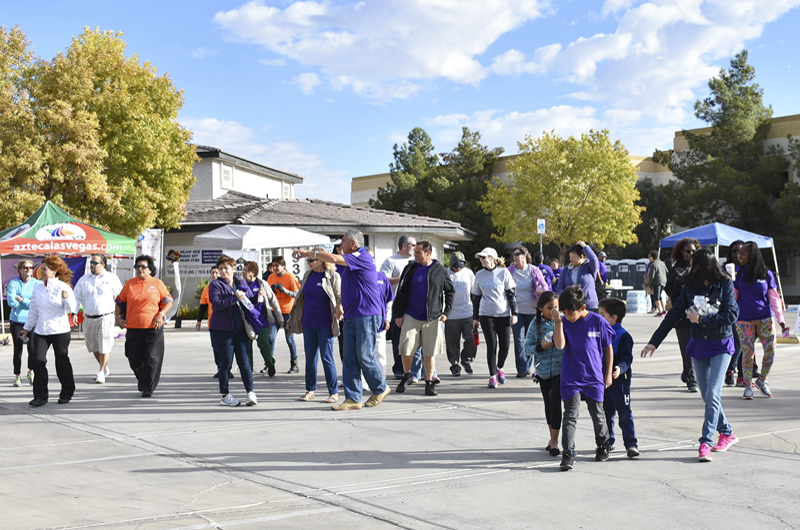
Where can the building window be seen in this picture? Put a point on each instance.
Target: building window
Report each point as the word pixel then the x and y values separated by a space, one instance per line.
pixel 226 177
pixel 287 191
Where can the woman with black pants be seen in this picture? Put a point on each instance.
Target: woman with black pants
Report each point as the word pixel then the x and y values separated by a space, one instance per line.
pixel 681 254
pixel 51 304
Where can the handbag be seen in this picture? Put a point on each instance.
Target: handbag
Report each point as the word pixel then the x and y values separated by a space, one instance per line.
pixel 248 327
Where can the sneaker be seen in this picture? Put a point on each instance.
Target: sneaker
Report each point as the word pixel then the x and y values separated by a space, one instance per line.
pixel 263 370
pixel 293 369
pixel 30 378
pixel 347 404
pixel 729 378
pixel 740 382
pixel 567 461
pixel 229 401
pixel 501 377
pixel 107 371
pixel 704 454
pixel 748 392
pixel 601 453
pixel 251 399
pixel 100 377
pixel 455 370
pixel 375 399
pixel 724 441
pixel 404 383
pixel 271 371
pixel 693 388
pixel 762 385
pixel 17 381
pixel 430 389
pixel 633 452
pixel 467 367
pixel 492 382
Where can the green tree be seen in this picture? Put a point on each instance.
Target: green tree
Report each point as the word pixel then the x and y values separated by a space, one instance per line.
pixel 727 175
pixel 583 187
pixel 658 211
pixel 447 190
pixel 95 132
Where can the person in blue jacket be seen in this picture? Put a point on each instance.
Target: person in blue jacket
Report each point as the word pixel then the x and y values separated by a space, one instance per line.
pixel 20 291
pixel 708 301
pixel 581 271
pixel 618 395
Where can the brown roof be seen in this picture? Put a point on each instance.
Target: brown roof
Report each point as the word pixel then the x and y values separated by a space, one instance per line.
pixel 314 215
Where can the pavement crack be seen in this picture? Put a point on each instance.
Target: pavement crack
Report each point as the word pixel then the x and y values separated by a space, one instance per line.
pixel 198 494
pixel 792 444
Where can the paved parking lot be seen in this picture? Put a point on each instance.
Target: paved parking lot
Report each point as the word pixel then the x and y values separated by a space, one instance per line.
pixel 472 457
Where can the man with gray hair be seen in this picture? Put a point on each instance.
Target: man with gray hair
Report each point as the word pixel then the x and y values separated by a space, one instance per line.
pixel 393 268
pixel 363 305
pixel 97 292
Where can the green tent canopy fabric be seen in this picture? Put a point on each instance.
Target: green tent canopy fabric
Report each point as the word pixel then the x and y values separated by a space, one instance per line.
pixel 51 230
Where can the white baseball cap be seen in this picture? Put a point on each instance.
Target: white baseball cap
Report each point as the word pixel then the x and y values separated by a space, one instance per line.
pixel 488 251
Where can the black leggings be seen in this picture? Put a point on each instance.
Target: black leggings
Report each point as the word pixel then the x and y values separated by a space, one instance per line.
pixel 16 327
pixel 60 343
pixel 551 392
pixel 497 333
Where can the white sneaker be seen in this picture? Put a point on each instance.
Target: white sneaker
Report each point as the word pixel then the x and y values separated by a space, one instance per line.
pixel 251 399
pixel 100 377
pixel 229 401
pixel 107 371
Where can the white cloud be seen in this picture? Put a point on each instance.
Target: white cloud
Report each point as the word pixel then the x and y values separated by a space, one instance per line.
pixel 202 53
pixel 307 81
pixel 240 140
pixel 379 48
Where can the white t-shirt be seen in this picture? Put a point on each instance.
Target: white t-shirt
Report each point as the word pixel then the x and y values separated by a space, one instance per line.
pixel 98 293
pixel 492 286
pixel 394 265
pixel 462 303
pixel 526 290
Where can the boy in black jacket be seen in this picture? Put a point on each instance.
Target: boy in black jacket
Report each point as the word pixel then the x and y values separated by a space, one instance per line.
pixel 618 395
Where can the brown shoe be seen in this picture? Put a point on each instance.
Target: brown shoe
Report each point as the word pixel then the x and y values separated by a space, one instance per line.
pixel 347 404
pixel 375 399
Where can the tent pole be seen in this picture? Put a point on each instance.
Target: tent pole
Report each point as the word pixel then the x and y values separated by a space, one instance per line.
pixel 778 276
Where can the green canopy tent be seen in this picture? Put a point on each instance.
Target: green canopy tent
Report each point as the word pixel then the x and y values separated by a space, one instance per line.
pixel 51 230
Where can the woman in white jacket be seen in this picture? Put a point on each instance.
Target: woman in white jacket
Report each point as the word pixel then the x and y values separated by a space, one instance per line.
pixel 51 304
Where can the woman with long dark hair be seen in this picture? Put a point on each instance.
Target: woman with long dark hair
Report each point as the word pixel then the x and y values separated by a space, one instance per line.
pixel 757 295
pixel 681 254
pixel 736 360
pixel 707 299
pixel 547 363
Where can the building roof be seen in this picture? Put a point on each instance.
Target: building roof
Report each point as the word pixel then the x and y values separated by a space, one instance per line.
pixel 314 215
pixel 206 152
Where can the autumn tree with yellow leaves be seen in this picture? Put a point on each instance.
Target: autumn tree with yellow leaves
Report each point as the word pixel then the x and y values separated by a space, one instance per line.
pixel 94 131
pixel 584 188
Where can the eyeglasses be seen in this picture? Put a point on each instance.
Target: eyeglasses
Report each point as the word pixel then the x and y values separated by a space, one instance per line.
pixel 27 268
pixel 141 267
pixel 96 262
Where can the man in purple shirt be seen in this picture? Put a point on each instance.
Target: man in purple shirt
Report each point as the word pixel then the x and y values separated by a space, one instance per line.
pixel 362 301
pixel 424 300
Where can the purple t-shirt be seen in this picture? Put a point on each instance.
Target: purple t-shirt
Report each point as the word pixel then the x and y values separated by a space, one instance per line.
pixel 418 297
pixel 361 295
pixel 316 304
pixel 582 365
pixel 753 298
pixel 705 349
pixel 385 286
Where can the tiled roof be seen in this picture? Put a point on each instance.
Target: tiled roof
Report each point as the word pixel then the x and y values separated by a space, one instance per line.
pixel 314 215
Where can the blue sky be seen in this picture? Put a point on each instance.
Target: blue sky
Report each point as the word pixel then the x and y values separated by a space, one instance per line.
pixel 324 89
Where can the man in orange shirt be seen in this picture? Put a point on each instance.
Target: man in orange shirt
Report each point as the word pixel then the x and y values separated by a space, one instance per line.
pixel 286 287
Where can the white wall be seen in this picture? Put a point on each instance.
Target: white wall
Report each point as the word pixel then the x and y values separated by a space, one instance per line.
pixel 210 184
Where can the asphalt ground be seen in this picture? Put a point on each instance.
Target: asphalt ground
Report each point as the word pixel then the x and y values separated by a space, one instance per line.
pixel 473 457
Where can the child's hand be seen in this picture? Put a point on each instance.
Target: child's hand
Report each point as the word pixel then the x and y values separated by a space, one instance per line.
pixel 608 380
pixel 555 314
pixel 616 372
pixel 693 315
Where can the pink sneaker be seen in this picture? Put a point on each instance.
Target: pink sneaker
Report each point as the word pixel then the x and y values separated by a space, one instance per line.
pixel 492 382
pixel 725 441
pixel 705 453
pixel 501 376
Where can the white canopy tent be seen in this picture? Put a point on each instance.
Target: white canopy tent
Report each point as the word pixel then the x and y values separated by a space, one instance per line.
pixel 248 236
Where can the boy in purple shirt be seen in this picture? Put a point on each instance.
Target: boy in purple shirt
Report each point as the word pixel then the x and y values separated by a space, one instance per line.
pixel 586 368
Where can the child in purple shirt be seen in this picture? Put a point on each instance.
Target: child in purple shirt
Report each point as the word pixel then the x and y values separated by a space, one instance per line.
pixel 586 367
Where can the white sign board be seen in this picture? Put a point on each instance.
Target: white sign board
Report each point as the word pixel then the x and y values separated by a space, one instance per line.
pixel 540 226
pixel 197 263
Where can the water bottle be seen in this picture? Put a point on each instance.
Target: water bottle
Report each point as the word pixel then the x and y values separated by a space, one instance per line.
pixel 548 337
pixel 476 338
pixel 24 337
pixel 247 303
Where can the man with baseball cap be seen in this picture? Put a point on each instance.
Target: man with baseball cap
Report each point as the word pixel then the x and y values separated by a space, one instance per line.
pixel 459 324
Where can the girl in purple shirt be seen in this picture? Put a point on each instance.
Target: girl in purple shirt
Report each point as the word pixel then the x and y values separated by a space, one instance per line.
pixel 757 295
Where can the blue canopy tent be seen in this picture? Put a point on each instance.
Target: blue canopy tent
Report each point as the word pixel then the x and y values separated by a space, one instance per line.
pixel 718 234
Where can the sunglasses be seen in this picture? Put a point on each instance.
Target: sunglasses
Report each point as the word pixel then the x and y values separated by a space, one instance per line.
pixel 310 260
pixel 96 262
pixel 141 267
pixel 518 254
pixel 27 268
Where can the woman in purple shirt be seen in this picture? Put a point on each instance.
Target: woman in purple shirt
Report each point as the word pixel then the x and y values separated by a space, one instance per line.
pixel 757 294
pixel 314 315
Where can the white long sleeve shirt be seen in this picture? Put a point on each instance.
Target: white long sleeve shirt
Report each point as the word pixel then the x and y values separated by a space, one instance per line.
pixel 48 311
pixel 97 293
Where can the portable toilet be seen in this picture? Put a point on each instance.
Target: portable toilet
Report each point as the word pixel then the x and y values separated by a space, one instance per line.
pixel 639 272
pixel 625 271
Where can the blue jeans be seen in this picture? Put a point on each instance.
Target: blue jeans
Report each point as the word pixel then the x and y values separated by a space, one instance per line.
pixel 618 401
pixel 359 337
pixel 228 344
pixel 518 330
pixel 319 343
pixel 273 334
pixel 710 377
